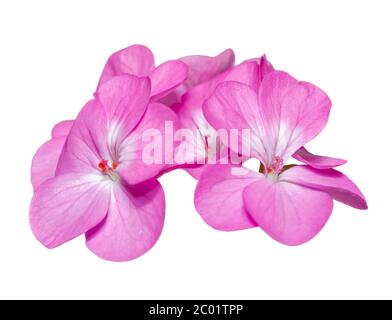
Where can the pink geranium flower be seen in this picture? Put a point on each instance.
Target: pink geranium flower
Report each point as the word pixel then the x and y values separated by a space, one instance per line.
pixel 135 60
pixel 291 204
pixel 100 184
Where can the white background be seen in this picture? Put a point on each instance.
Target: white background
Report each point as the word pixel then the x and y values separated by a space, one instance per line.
pixel 51 55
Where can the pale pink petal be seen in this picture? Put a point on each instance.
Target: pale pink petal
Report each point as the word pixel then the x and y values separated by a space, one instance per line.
pixel 86 144
pixel 330 181
pixel 137 60
pixel 144 153
pixel 45 161
pixel 315 161
pixel 293 113
pixel 62 128
pixel 133 224
pixel 289 213
pixel 246 73
pixel 218 197
pixel 200 69
pixel 203 68
pixel 234 106
pixel 166 77
pixel 125 99
pixel 67 206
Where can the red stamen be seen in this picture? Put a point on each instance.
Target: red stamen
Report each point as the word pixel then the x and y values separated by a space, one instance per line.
pixel 103 166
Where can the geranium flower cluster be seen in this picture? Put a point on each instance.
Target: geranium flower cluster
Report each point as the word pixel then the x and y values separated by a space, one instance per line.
pixel 97 175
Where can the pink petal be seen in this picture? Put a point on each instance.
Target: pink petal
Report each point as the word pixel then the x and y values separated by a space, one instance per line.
pixel 234 106
pixel 86 144
pixel 125 100
pixel 218 197
pixel 191 115
pixel 289 213
pixel 136 60
pixel 293 113
pixel 45 161
pixel 67 206
pixel 246 73
pixel 315 161
pixel 166 77
pixel 62 128
pixel 335 183
pixel 135 165
pixel 196 171
pixel 133 224
pixel 265 67
pixel 201 69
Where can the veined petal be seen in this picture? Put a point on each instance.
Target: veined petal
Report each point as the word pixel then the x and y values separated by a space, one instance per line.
pixel 67 206
pixel 293 113
pixel 289 213
pixel 144 153
pixel 125 99
pixel 45 161
pixel 166 77
pixel 137 60
pixel 133 224
pixel 331 181
pixel 62 128
pixel 86 144
pixel 218 197
pixel 191 115
pixel 247 73
pixel 234 106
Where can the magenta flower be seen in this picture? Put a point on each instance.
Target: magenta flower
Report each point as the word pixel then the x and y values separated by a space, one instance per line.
pixel 291 204
pixel 100 184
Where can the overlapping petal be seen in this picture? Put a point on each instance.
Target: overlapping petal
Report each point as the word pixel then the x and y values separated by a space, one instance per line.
pixel 292 113
pixel 86 144
pixel 144 153
pixel 125 99
pixel 218 197
pixel 289 213
pixel 234 107
pixel 44 164
pixel 67 206
pixel 136 60
pixel 133 224
pixel 166 77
